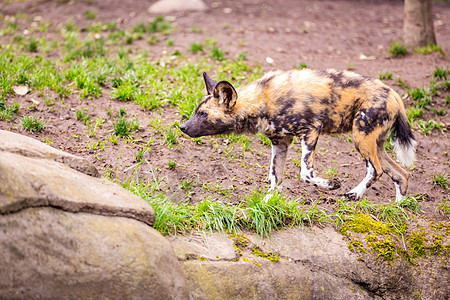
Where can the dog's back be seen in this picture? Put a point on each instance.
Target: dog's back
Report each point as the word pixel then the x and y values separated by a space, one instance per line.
pixel 298 98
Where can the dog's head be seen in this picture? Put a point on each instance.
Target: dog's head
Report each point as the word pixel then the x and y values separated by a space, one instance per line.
pixel 213 114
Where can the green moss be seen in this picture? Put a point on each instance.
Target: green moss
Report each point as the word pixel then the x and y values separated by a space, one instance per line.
pixel 385 249
pixel 356 245
pixel 424 243
pixel 251 261
pixel 240 239
pixel 417 243
pixel 364 223
pixel 273 257
pixel 371 238
pixel 239 252
pixel 387 242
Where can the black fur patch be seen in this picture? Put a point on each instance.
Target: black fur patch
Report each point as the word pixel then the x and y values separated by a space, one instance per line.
pixel 203 102
pixel 402 130
pixel 349 116
pixel 373 117
pixel 264 82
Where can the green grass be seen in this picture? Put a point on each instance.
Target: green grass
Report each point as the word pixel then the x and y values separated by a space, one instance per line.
pixel 217 54
pixel 263 217
pixel 196 47
pixel 171 138
pixel 385 76
pixel 85 69
pixel 32 123
pixel 440 73
pixel 426 127
pixel 397 50
pixel 422 96
pixel 7 111
pixel 140 154
pixel 444 206
pixel 264 140
pixel 429 49
pixel 382 229
pixel 125 91
pixel 301 66
pixel 171 164
pixel 90 14
pixel 125 127
pixel 83 116
pixel 257 214
pixel 441 179
pixel 331 172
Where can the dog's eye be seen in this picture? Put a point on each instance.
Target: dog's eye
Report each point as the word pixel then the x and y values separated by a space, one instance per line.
pixel 203 114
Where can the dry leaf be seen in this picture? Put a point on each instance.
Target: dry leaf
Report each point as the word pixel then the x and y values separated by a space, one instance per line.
pixel 35 102
pixel 20 89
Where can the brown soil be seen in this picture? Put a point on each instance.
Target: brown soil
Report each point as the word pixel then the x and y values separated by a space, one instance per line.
pixel 321 34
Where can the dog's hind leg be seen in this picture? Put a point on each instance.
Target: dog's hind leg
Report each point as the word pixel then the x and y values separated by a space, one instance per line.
pixel 398 175
pixel 366 141
pixel 307 173
pixel 279 151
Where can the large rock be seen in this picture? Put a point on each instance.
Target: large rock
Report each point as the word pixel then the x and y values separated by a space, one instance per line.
pixel 315 263
pixel 27 182
pixel 48 253
pixel 166 6
pixel 68 235
pixel 25 146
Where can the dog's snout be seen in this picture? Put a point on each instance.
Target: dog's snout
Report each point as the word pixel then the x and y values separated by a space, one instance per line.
pixel 183 127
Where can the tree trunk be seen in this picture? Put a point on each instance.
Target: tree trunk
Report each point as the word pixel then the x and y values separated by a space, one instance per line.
pixel 418 30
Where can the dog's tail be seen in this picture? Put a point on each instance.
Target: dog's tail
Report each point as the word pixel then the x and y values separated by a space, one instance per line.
pixel 404 144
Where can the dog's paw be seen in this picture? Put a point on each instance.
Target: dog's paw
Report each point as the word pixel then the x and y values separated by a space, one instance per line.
pixel 351 196
pixel 334 184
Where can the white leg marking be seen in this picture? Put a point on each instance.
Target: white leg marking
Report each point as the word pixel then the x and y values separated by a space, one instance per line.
pixel 272 177
pixel 362 186
pixel 305 173
pixel 276 170
pixel 398 195
pixel 308 175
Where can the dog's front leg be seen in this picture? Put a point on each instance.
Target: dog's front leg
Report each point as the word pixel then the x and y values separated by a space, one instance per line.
pixel 279 151
pixel 307 167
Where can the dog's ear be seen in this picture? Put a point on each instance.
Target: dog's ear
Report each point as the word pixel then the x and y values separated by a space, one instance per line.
pixel 226 94
pixel 210 84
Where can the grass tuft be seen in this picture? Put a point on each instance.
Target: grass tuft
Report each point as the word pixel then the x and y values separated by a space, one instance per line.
pixel 397 50
pixel 124 127
pixel 32 123
pixel 441 179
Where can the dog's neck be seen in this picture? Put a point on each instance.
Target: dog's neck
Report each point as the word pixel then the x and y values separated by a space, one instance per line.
pixel 250 108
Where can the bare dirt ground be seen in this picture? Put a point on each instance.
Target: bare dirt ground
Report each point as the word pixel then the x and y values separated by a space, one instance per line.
pixel 320 34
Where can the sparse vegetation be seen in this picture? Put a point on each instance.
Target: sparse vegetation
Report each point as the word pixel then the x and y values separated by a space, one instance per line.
pixel 196 47
pixel 90 14
pixel 428 49
pixel 124 127
pixel 83 116
pixel 171 164
pixel 32 123
pixel 171 138
pixel 441 179
pixel 397 50
pixel 385 76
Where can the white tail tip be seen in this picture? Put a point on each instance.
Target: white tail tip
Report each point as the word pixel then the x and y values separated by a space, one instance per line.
pixel 405 153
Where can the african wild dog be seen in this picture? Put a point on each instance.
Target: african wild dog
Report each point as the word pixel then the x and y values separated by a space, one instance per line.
pixel 305 103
